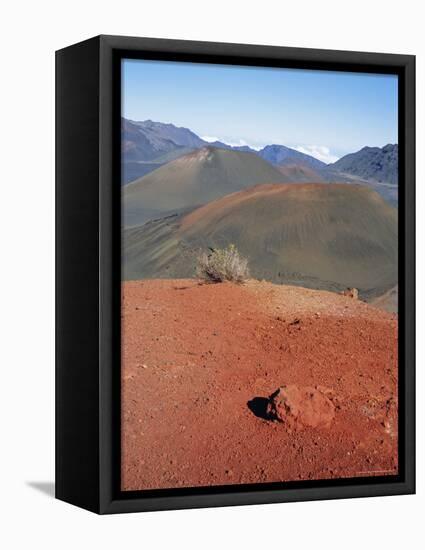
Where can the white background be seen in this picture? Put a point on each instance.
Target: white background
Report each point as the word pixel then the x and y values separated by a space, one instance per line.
pixel 30 33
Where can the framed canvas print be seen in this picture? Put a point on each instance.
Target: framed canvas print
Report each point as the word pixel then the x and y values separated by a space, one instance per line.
pixel 235 274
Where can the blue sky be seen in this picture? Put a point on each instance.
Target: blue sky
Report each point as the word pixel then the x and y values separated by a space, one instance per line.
pixel 326 114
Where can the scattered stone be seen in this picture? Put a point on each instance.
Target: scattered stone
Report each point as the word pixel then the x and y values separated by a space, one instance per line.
pixel 351 293
pixel 301 407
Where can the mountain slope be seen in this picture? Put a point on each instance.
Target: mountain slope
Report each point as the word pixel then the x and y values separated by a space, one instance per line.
pixel 148 140
pixel 372 163
pixel 180 136
pixel 282 155
pixel 137 145
pixel 323 236
pixel 192 180
pixel 298 173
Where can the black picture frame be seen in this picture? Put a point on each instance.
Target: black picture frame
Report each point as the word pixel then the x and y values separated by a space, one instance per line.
pixel 88 273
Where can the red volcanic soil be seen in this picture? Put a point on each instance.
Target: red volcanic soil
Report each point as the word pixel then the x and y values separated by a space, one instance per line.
pixel 199 362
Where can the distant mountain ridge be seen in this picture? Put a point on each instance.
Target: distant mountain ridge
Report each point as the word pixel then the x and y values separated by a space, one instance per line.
pixel 157 143
pixel 179 135
pixel 280 155
pixel 153 139
pixel 371 163
pixel 147 145
pixel 148 140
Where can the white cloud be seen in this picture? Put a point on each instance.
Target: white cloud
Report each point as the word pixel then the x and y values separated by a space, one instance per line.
pixel 210 139
pixel 319 152
pixel 231 142
pixel 236 143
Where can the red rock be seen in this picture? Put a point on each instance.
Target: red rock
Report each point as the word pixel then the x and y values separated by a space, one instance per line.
pixel 351 293
pixel 302 406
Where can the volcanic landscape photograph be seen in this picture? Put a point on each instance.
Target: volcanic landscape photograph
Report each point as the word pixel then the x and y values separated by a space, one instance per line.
pixel 259 316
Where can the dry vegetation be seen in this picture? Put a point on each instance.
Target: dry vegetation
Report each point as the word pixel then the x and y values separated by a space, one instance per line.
pixel 223 265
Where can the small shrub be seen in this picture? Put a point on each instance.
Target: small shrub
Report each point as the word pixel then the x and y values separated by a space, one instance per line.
pixel 223 265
